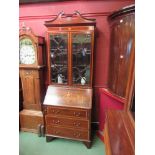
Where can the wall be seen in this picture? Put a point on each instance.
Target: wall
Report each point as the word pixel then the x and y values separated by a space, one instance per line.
pixel 34 16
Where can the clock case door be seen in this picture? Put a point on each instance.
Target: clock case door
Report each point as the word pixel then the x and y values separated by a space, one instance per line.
pixel 33 88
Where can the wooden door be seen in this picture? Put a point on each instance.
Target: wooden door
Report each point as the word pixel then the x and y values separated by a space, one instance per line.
pixel 31 89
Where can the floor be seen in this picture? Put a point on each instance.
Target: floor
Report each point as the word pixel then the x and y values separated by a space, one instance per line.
pixel 31 144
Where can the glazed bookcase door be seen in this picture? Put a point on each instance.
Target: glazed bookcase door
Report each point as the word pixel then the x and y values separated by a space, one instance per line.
pixel 81 58
pixel 59 58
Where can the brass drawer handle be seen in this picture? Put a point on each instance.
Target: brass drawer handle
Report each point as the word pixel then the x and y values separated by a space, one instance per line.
pixel 56 122
pixel 77 134
pixel 56 111
pixel 77 114
pixel 77 123
pixel 57 132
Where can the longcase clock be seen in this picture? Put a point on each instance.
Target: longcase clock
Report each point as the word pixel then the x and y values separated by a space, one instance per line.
pixel 31 67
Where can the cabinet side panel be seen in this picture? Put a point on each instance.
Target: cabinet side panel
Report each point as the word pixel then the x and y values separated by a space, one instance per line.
pixel 122 40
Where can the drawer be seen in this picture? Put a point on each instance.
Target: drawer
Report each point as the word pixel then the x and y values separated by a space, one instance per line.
pixel 77 113
pixel 67 133
pixel 74 123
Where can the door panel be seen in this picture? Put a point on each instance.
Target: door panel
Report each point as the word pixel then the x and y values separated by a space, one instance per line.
pixel 81 57
pixel 59 58
pixel 29 91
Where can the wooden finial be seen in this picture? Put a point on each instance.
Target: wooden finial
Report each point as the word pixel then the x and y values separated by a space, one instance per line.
pixel 24 28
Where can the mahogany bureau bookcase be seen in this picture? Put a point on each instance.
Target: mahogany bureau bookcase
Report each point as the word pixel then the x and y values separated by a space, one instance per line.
pixel 68 101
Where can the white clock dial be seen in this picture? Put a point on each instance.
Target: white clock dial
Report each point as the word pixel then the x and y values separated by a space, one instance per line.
pixel 27 54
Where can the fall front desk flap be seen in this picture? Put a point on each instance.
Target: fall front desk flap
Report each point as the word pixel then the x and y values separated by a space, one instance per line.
pixel 69 97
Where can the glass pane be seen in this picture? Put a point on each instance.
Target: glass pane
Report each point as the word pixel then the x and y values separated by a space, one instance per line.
pixel 81 50
pixel 59 59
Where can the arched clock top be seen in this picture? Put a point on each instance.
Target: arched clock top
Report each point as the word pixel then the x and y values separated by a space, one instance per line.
pixel 27 32
pixel 74 19
pixel 31 48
